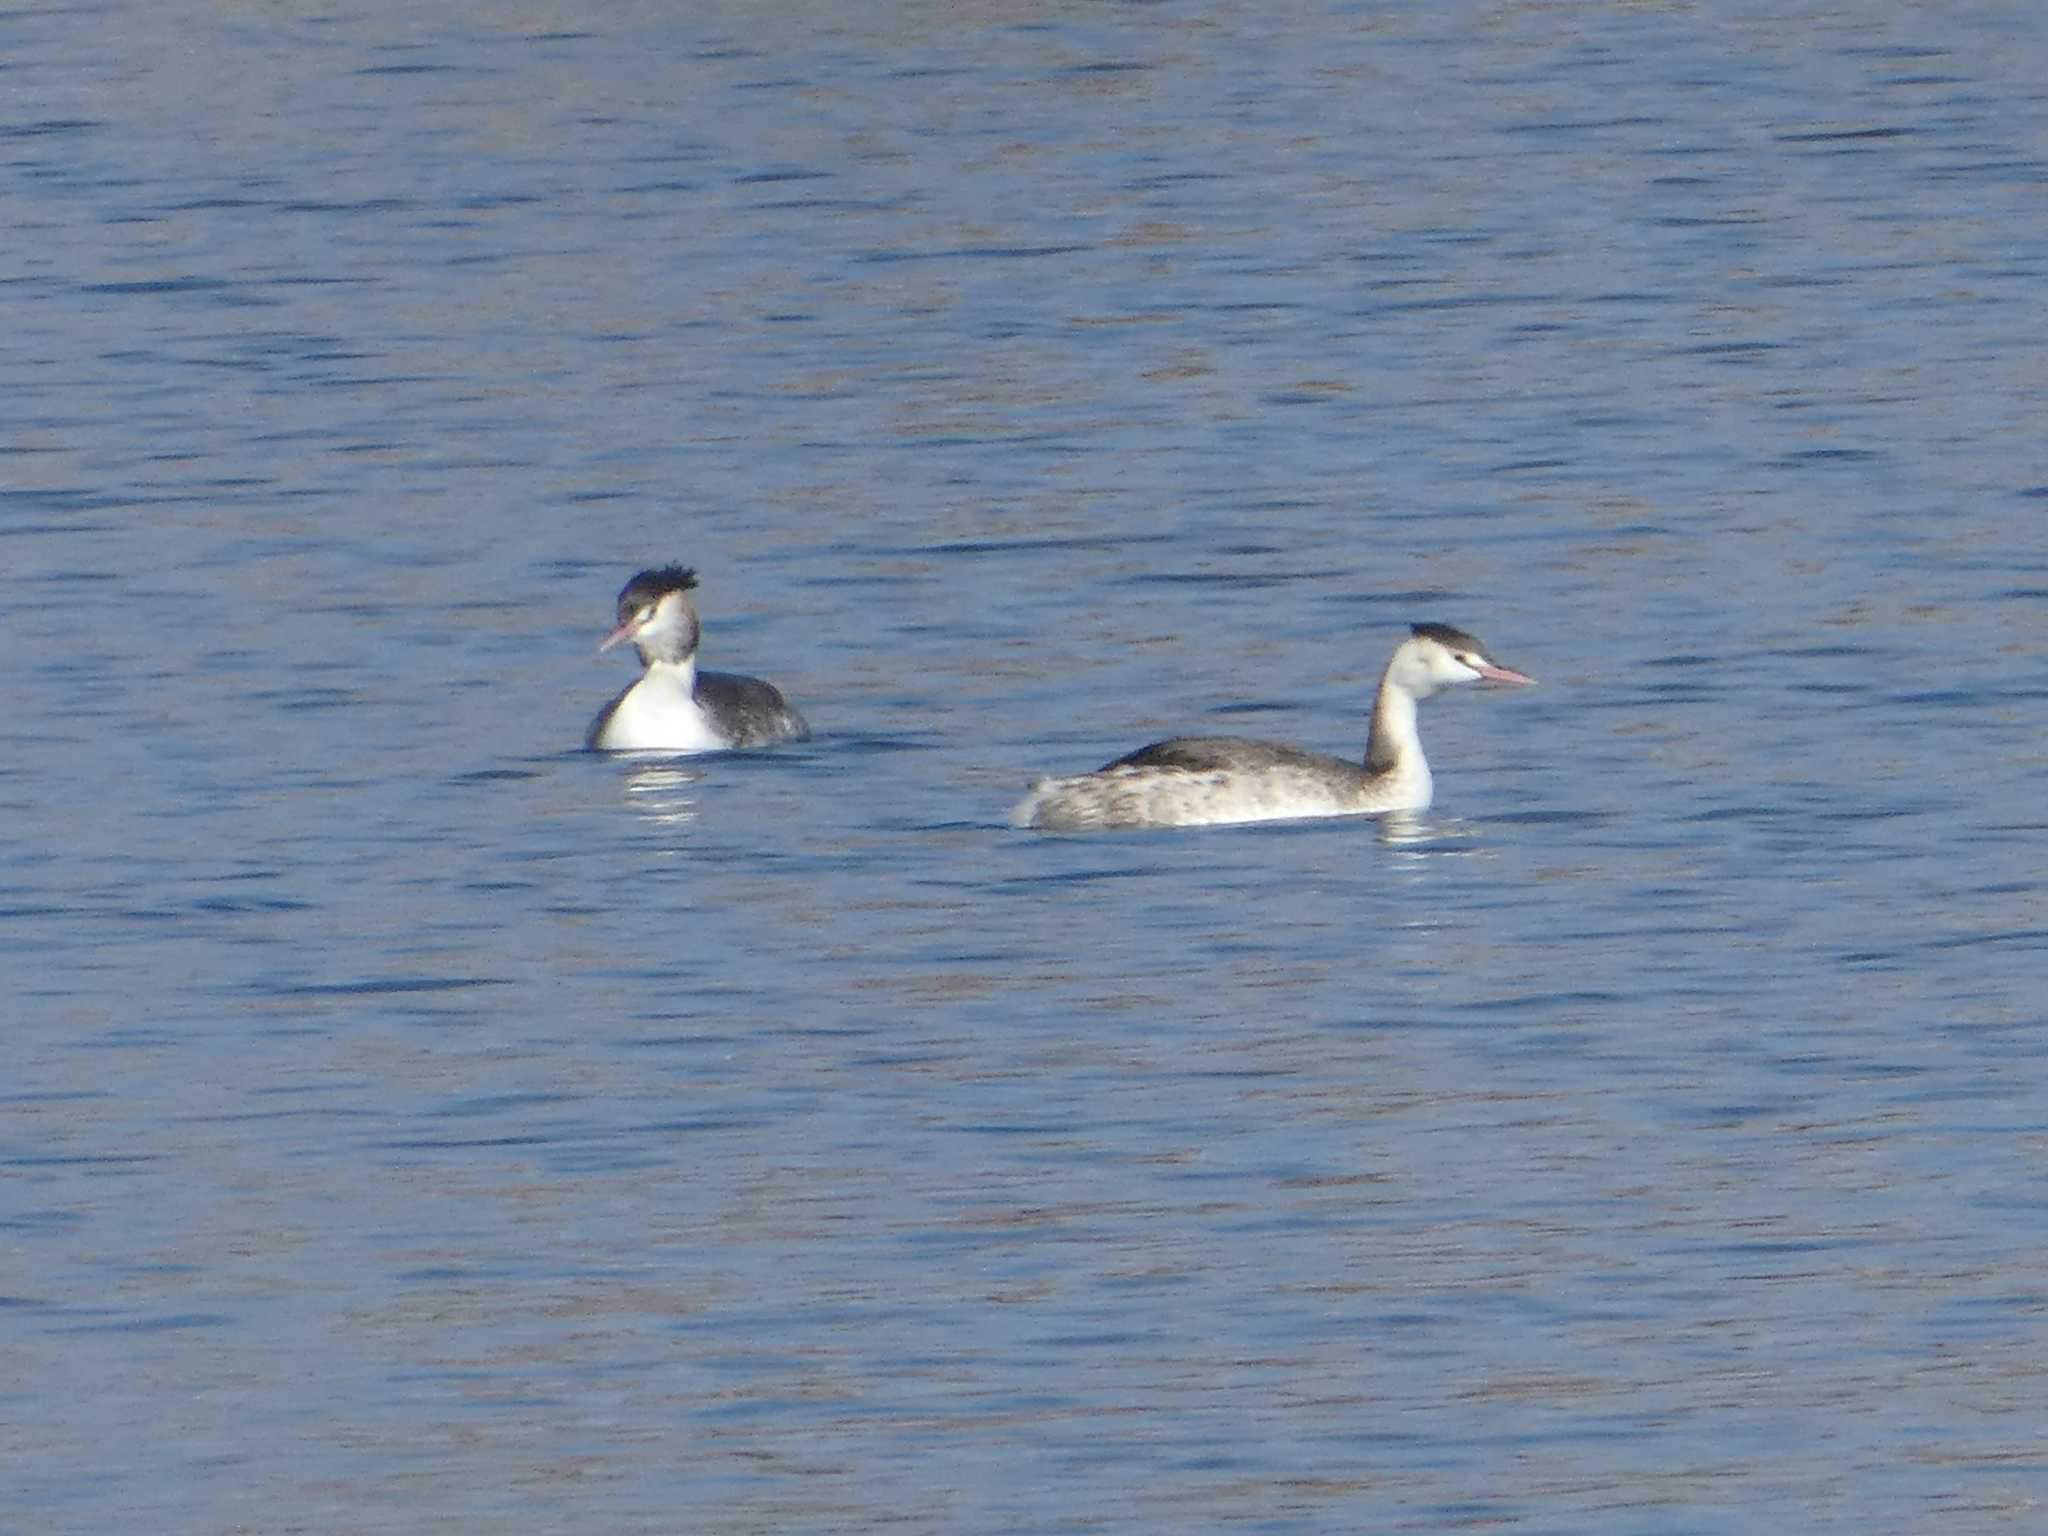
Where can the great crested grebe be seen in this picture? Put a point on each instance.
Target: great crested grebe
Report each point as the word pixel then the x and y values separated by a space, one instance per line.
pixel 1194 781
pixel 674 707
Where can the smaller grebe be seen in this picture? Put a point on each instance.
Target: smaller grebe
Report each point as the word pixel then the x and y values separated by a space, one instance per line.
pixel 674 707
pixel 1194 781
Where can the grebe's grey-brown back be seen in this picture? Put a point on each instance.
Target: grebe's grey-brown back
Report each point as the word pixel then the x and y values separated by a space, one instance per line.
pixel 674 707
pixel 1194 781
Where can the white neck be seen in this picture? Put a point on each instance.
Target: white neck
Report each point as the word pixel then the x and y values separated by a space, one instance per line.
pixel 1393 748
pixel 1393 741
pixel 673 674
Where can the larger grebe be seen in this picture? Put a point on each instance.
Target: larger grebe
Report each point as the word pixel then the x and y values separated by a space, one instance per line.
pixel 1194 781
pixel 674 707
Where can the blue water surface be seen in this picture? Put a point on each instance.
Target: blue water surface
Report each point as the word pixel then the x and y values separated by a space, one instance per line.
pixel 413 1124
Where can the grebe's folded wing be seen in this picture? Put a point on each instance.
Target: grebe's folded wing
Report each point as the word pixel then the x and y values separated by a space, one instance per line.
pixel 751 710
pixel 1218 754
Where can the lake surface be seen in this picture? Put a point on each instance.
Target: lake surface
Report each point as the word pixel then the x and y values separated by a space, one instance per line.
pixel 412 1123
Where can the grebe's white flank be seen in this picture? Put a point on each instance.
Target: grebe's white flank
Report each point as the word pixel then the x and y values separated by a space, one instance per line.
pixel 1209 780
pixel 674 707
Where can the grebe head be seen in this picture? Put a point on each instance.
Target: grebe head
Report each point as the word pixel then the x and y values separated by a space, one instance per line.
pixel 655 613
pixel 1438 656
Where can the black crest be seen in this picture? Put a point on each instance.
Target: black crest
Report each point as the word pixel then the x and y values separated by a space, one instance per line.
pixel 1445 634
pixel 667 578
pixel 650 586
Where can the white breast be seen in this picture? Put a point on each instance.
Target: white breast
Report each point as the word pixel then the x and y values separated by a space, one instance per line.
pixel 659 714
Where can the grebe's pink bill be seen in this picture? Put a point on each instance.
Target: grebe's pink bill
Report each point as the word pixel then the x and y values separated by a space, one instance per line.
pixel 1198 781
pixel 675 707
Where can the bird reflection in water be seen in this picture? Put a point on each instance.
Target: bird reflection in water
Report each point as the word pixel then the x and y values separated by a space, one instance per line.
pixel 663 793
